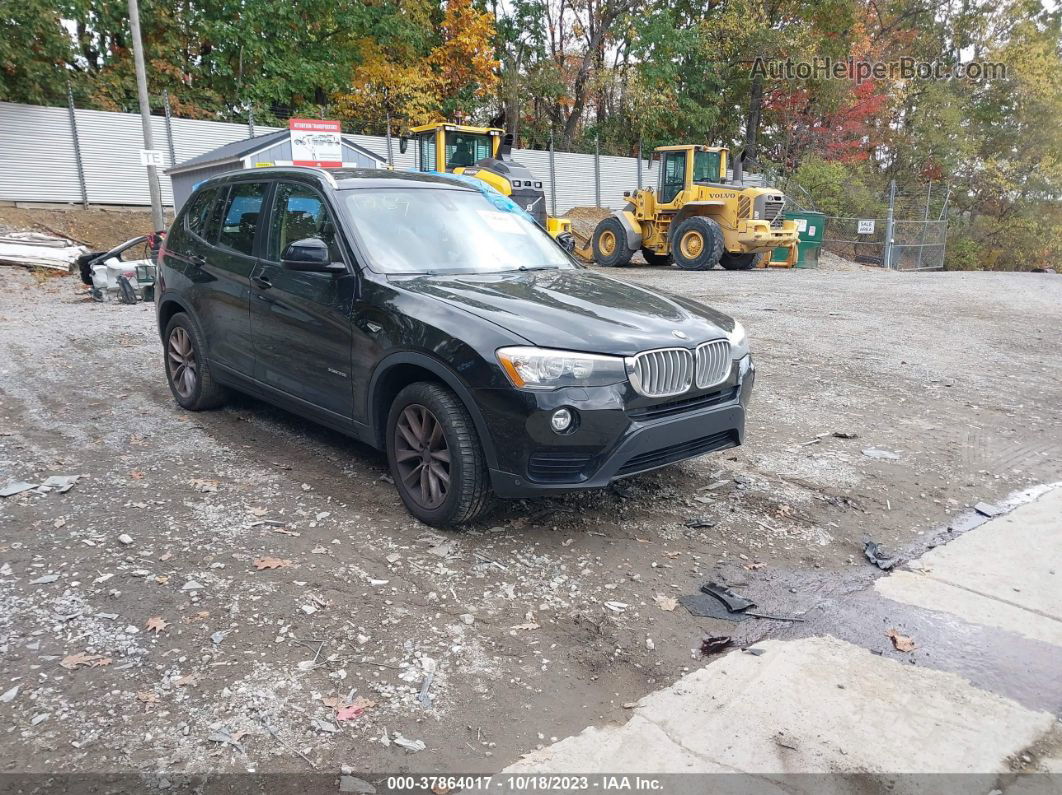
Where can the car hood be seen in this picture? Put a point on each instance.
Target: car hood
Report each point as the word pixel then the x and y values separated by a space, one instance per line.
pixel 575 309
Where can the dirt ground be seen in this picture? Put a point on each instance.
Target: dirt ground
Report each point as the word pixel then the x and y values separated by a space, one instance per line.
pixel 96 228
pixel 242 590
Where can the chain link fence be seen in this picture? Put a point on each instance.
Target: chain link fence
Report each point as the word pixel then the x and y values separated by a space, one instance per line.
pixel 916 245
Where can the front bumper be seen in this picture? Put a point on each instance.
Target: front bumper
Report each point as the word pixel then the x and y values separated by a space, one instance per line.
pixel 617 433
pixel 756 236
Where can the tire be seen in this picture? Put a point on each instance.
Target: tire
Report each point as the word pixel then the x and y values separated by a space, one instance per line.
pixel 610 243
pixel 697 243
pixel 461 489
pixel 652 258
pixel 194 388
pixel 739 262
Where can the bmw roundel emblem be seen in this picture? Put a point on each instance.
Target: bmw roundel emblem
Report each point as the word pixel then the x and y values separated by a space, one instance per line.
pixel 679 334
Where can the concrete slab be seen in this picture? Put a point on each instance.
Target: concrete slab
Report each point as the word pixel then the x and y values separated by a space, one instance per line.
pixel 817 705
pixel 1005 573
pixel 930 593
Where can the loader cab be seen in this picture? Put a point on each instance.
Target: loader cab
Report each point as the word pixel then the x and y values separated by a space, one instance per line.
pixel 681 167
pixel 445 147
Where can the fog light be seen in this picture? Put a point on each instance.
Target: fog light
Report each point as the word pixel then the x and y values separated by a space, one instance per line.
pixel 561 420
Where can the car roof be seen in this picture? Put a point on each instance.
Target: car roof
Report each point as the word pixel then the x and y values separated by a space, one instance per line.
pixel 342 178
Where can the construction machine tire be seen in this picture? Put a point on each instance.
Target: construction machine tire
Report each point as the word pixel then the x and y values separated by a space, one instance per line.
pixel 610 243
pixel 652 258
pixel 697 243
pixel 739 262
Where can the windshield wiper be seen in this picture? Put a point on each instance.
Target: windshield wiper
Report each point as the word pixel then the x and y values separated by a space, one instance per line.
pixel 526 269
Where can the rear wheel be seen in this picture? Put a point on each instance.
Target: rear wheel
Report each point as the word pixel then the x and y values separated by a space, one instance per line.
pixel 187 368
pixel 652 258
pixel 697 244
pixel 738 262
pixel 435 455
pixel 610 243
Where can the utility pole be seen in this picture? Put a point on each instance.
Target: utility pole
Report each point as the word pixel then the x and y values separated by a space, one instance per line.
pixel 157 219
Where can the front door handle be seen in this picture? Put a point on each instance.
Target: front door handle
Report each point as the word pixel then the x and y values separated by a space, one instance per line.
pixel 198 260
pixel 261 282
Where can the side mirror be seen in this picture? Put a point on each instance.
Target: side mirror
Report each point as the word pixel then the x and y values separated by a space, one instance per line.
pixel 403 144
pixel 308 254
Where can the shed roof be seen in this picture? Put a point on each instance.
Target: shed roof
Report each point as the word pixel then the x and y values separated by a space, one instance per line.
pixel 237 150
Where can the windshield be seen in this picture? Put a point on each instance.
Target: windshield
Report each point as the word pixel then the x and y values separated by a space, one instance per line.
pixel 466 149
pixel 428 230
pixel 706 167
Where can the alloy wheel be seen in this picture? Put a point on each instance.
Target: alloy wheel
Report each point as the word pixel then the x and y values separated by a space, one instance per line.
pixel 180 358
pixel 422 456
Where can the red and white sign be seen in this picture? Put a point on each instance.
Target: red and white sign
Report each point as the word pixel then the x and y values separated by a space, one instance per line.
pixel 315 142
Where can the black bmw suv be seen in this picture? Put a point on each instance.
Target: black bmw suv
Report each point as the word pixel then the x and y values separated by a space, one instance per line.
pixel 435 320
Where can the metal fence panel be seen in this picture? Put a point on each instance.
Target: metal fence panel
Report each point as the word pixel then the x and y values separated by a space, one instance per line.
pixel 37 160
pixel 916 245
pixel 37 155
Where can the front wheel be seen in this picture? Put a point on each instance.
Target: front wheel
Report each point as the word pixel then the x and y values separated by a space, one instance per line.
pixel 610 243
pixel 697 243
pixel 435 456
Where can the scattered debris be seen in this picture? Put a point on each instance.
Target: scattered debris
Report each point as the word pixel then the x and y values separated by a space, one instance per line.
pixel 616 607
pixel 881 455
pixel 84 658
pixel 412 746
pixel 45 579
pixel 353 710
pixel 988 509
pixel 192 585
pixel 900 642
pixel 734 602
pixel 125 539
pixel 666 603
pixel 204 486
pixel 349 783
pixel 13 487
pixel 879 557
pixel 786 740
pixel 713 644
pixel 225 736
pixel 324 726
pixel 9 695
pixel 703 605
pixel 424 696
pixel 698 522
pixel 844 435
pixel 37 250
pixel 60 483
pixel 753 650
pixel 271 563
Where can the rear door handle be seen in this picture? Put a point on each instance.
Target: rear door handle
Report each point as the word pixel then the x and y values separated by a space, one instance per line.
pixel 198 260
pixel 261 282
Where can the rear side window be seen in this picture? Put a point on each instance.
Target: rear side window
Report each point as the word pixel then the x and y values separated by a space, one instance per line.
pixel 199 212
pixel 239 219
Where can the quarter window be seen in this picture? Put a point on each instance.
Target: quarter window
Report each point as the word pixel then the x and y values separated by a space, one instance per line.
pixel 239 221
pixel 300 212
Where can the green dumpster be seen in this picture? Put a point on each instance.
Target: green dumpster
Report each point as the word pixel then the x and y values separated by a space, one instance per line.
pixel 811 225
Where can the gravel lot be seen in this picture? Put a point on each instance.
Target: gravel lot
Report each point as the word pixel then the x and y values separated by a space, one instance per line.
pixel 318 656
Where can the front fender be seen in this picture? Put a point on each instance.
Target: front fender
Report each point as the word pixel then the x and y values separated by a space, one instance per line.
pixel 439 369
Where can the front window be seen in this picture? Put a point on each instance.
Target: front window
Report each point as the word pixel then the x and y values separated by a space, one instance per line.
pixel 466 149
pixel 436 230
pixel 706 167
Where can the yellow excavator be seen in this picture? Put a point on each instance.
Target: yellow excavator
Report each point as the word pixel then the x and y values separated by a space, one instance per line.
pixel 486 154
pixel 695 218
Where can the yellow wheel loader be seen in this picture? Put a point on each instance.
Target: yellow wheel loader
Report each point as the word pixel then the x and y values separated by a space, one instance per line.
pixel 695 218
pixel 486 153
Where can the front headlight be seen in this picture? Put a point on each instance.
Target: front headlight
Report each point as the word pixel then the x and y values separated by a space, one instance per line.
pixel 739 343
pixel 543 368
